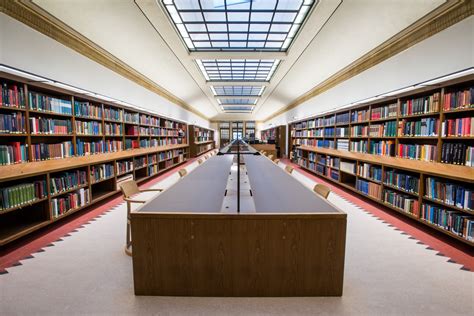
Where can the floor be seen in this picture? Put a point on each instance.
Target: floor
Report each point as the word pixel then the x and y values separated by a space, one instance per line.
pixel 386 273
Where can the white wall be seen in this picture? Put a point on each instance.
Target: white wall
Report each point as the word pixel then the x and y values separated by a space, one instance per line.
pixel 26 49
pixel 446 52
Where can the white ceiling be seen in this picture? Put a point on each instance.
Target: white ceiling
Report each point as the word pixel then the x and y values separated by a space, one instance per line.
pixel 335 34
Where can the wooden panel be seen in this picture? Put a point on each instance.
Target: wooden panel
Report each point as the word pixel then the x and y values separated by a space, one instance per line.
pixel 238 255
pixel 462 173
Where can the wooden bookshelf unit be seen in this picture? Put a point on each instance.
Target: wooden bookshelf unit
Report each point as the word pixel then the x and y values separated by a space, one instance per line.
pixel 275 135
pixel 201 140
pixel 61 152
pixel 412 153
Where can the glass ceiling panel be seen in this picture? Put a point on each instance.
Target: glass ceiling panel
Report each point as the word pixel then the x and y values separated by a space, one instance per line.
pixel 238 69
pixel 238 90
pixel 238 108
pixel 237 101
pixel 234 24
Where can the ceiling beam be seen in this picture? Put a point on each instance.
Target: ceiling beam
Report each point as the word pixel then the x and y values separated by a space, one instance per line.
pixel 238 55
pixel 238 83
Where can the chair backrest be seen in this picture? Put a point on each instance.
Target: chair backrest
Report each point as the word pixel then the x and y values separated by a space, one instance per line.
pixel 206 156
pixel 129 188
pixel 322 190
pixel 270 157
pixel 199 161
pixel 289 169
pixel 276 161
pixel 182 172
pixel 264 152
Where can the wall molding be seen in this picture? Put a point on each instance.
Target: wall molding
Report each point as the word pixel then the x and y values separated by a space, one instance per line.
pixel 38 19
pixel 446 15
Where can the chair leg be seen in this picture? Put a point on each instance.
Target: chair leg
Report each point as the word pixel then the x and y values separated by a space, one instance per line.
pixel 128 241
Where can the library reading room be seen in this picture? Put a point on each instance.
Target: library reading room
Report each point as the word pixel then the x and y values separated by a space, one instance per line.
pixel 237 157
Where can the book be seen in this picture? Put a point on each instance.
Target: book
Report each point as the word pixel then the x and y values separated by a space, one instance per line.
pixel 67 180
pixel 13 123
pixel 418 152
pixel 88 148
pixel 403 202
pixel 101 172
pixel 359 131
pixel 87 110
pixel 457 154
pixel 369 188
pixel 44 103
pixel 401 180
pixel 387 129
pixel 369 171
pixel 88 128
pixel 124 166
pixel 461 99
pixel 69 202
pixel 113 129
pixel 131 118
pixel 383 147
pixel 113 114
pixel 358 116
pixel 382 112
pixel 342 118
pixel 113 146
pixel 342 144
pixel 12 153
pixel 359 146
pixel 12 95
pixel 44 151
pixel 348 167
pixel 456 222
pixel 421 105
pixel 458 195
pixel 22 194
pixel 463 126
pixel 49 126
pixel 423 127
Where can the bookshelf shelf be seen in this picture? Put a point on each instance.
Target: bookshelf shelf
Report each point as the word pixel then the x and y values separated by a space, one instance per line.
pixel 201 140
pixel 277 136
pixel 439 111
pixel 30 159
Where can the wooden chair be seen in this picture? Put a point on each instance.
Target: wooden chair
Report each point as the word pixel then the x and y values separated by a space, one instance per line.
pixel 289 169
pixel 270 157
pixel 182 172
pixel 322 190
pixel 129 189
pixel 199 161
pixel 276 161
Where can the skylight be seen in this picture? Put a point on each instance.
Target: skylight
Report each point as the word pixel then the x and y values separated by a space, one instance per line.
pixel 238 25
pixel 233 108
pixel 237 101
pixel 238 69
pixel 244 91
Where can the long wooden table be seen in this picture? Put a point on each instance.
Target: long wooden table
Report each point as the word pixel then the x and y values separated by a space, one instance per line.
pixel 293 245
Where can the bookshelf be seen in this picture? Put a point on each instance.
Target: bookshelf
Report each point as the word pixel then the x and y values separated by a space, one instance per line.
pixel 275 135
pixel 411 153
pixel 61 152
pixel 201 140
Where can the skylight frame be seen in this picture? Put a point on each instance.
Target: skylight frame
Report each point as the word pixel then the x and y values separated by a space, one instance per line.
pixel 269 29
pixel 251 70
pixel 237 90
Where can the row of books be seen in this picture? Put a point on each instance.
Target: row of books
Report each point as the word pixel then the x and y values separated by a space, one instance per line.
pixel 12 153
pixel 457 154
pixel 418 152
pixel 51 151
pixel 87 109
pixel 459 99
pixel 100 172
pixel 385 111
pixel 457 195
pixel 348 167
pixel 309 133
pixel 132 144
pixel 113 145
pixel 139 162
pixel 421 105
pixel 358 146
pixel 403 202
pixel 342 118
pixel 22 194
pixel 453 221
pixel 359 131
pixel 124 166
pixel 342 144
pixel 458 127
pixel 333 162
pixel 67 180
pixel 113 129
pixel 42 125
pixel 423 127
pixel 329 131
pixel 332 173
pixel 44 103
pixel 88 128
pixel 13 123
pixel 383 147
pixel 402 181
pixel 131 130
pixel 84 148
pixel 360 116
pixel 342 131
pixel 113 114
pixel 12 95
pixel 369 171
pixel 369 188
pixel 69 202
pixel 387 129
pixel 144 131
pixel 131 117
